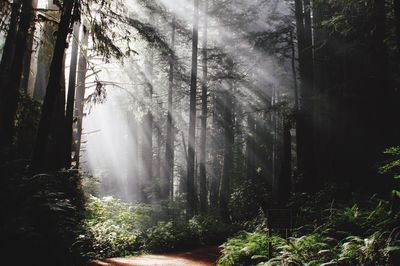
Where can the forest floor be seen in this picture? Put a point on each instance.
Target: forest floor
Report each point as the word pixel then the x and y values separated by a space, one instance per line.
pixel 206 256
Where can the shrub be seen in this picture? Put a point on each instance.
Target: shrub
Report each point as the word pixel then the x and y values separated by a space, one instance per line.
pixel 332 231
pixel 393 167
pixel 247 249
pixel 183 234
pixel 111 227
pixel 167 236
pixel 248 200
pixel 210 230
pixel 313 249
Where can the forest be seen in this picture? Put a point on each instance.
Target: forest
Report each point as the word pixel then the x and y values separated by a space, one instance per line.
pixel 200 132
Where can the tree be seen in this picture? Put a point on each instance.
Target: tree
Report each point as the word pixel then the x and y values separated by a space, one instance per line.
pixel 9 46
pixel 169 149
pixel 191 191
pixel 41 159
pixel 204 108
pixel 147 145
pixel 80 95
pixel 227 124
pixel 71 95
pixel 304 119
pixel 10 85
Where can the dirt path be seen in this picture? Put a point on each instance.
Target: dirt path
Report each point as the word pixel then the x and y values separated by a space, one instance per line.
pixel 200 257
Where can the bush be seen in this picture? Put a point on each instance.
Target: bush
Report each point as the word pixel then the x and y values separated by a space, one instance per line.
pixel 210 230
pixel 113 228
pixel 166 236
pixel 248 200
pixel 182 234
pixel 246 249
pixel 313 249
pixel 393 167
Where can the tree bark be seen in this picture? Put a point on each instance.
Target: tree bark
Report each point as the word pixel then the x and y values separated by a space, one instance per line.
pixel 27 73
pixel 149 184
pixel 250 148
pixel 9 48
pixel 69 115
pixel 10 87
pixel 304 119
pixel 80 95
pixel 286 166
pixel 54 88
pixel 191 191
pixel 215 154
pixel 396 7
pixel 170 139
pixel 46 49
pixel 228 153
pixel 204 107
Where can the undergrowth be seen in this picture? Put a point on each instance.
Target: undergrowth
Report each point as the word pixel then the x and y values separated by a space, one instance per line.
pixel 114 228
pixel 328 232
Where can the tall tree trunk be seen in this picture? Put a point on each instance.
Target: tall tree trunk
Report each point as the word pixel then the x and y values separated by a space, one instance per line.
pixel 204 106
pixel 69 115
pixel 27 73
pixel 80 95
pixel 296 91
pixel 191 191
pixel 396 7
pixel 57 140
pixel 11 87
pixel 9 48
pixel 286 165
pixel 305 122
pixel 251 172
pixel 169 149
pixel 227 121
pixel 215 153
pixel 157 165
pixel 276 142
pixel 147 145
pixel 294 72
pixel 46 49
pixel 397 21
pixel 53 91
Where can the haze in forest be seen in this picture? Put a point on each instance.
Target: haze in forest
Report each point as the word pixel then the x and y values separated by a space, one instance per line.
pixel 110 152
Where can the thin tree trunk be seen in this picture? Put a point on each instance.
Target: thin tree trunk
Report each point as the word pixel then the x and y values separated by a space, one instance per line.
pixel 148 191
pixel 250 147
pixel 305 122
pixel 286 165
pixel 46 49
pixel 169 149
pixel 148 139
pixel 69 115
pixel 191 191
pixel 80 95
pixel 204 106
pixel 9 47
pixel 294 73
pixel 53 91
pixel 26 73
pixel 11 87
pixel 215 151
pixel 396 7
pixel 157 166
pixel 228 154
pixel 296 91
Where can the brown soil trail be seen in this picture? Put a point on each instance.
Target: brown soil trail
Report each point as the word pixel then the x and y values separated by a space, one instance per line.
pixel 200 257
